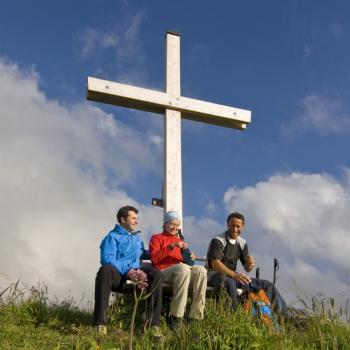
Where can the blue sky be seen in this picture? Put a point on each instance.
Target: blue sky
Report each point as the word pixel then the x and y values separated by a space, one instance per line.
pixel 69 163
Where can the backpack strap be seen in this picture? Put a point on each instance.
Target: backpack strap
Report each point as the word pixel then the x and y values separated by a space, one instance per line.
pixel 180 235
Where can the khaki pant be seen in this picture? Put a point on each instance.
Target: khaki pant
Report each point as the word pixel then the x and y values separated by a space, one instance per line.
pixel 182 276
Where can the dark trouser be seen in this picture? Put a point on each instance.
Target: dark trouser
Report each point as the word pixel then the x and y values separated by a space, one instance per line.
pixel 230 285
pixel 108 278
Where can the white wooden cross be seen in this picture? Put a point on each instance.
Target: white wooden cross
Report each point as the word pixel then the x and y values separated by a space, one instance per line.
pixel 174 106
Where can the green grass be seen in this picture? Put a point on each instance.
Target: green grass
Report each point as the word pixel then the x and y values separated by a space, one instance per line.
pixel 28 320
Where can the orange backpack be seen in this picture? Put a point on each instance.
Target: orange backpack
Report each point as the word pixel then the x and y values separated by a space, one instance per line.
pixel 257 303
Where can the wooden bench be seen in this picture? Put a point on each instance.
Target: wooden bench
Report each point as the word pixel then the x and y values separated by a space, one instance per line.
pixel 167 288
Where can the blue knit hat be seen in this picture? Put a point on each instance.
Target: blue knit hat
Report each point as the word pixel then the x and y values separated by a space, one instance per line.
pixel 170 216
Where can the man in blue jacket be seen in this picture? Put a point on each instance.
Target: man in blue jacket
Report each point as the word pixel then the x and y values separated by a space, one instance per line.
pixel 122 250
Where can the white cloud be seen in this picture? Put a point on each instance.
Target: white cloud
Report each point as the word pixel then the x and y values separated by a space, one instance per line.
pixel 62 168
pixel 156 140
pixel 199 232
pixel 115 52
pixel 309 281
pixel 324 114
pixel 122 40
pixel 321 114
pixel 303 220
pixel 307 50
pixel 210 207
pixel 336 29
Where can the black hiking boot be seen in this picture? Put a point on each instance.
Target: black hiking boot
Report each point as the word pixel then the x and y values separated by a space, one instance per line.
pixel 174 323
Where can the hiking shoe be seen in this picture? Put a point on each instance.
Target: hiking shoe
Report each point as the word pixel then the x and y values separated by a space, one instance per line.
pixel 155 332
pixel 101 329
pixel 174 323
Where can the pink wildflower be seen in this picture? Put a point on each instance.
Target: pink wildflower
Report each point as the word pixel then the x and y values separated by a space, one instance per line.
pixel 119 332
pixel 139 277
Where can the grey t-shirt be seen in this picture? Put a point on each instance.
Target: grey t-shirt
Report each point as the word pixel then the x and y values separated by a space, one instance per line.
pixel 227 250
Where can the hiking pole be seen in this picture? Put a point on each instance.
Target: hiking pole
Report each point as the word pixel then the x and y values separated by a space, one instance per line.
pixel 276 266
pixel 257 272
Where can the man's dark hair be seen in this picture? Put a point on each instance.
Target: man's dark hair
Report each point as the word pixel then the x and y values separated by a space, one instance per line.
pixel 123 212
pixel 235 215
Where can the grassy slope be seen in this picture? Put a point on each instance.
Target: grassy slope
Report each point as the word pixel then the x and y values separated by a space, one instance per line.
pixel 35 323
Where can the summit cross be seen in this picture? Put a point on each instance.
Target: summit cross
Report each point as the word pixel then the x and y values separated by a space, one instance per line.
pixel 174 107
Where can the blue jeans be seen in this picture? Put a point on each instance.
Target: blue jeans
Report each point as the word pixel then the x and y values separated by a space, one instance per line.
pixel 230 285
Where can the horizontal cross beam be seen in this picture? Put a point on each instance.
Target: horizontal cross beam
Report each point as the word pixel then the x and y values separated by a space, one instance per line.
pixel 157 102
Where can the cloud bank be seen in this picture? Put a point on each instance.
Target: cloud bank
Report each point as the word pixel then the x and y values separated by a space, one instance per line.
pixel 62 168
pixel 321 114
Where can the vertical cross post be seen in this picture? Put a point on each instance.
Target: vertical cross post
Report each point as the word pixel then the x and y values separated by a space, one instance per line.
pixel 172 128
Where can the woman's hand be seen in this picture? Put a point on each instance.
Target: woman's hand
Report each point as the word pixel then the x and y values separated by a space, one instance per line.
pixel 181 244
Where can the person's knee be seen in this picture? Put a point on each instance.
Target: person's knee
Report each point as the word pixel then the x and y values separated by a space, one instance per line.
pixel 157 273
pixel 230 286
pixel 230 282
pixel 200 271
pixel 266 284
pixel 183 269
pixel 105 269
pixel 154 274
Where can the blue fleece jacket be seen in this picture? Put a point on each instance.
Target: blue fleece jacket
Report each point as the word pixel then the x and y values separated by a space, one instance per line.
pixel 122 249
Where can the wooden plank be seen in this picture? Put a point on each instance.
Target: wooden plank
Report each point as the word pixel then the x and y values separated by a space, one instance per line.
pixel 157 102
pixel 172 129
